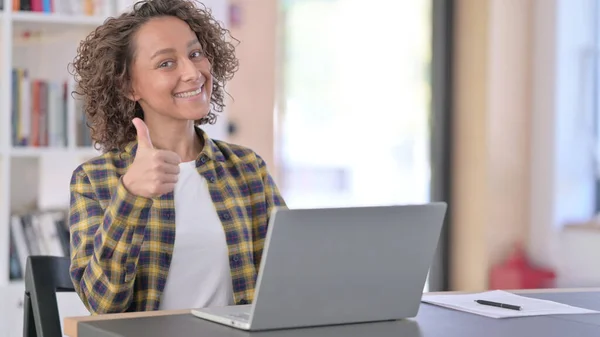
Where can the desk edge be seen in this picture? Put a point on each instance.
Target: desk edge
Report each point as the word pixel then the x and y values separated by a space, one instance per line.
pixel 71 323
pixel 520 291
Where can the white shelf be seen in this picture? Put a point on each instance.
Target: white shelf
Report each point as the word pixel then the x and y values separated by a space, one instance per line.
pixel 56 19
pixel 38 177
pixel 50 151
pixel 49 23
pixel 5 177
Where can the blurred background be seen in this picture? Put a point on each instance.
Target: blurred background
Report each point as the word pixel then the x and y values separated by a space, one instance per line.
pixel 489 105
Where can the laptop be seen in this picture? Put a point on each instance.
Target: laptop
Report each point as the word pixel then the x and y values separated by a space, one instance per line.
pixel 338 266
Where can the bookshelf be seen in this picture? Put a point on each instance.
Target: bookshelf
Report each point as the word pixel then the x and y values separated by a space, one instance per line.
pixel 40 149
pixel 42 133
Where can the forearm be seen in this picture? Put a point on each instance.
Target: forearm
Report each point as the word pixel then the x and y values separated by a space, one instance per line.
pixel 105 248
pixel 262 211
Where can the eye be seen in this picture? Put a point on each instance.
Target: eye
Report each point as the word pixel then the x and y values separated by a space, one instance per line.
pixel 166 64
pixel 196 54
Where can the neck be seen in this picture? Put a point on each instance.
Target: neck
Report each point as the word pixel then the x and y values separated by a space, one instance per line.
pixel 176 136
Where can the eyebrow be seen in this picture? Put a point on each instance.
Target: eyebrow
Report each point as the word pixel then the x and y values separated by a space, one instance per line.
pixel 171 50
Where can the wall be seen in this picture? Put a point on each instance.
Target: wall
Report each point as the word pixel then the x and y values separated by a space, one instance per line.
pixel 492 102
pixel 523 159
pixel 563 183
pixel 254 86
pixel 468 247
pixel 509 93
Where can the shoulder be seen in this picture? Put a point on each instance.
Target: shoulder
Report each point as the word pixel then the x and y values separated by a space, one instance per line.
pixel 238 154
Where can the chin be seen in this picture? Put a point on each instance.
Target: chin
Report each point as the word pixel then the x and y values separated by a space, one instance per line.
pixel 194 115
pixel 190 108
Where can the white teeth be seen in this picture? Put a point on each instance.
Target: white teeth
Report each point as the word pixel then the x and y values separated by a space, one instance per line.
pixel 189 93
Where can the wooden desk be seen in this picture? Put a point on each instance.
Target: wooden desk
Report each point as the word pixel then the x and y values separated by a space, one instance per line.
pixel 585 323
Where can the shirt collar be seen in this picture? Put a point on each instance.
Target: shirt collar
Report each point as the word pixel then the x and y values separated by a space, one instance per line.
pixel 210 150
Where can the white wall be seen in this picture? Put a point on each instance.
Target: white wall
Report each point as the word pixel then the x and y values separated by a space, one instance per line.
pixel 562 185
pixel 522 155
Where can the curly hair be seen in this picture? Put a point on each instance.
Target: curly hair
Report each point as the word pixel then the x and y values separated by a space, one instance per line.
pixel 103 64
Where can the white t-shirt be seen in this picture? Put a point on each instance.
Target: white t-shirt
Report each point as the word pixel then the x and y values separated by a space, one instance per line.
pixel 199 275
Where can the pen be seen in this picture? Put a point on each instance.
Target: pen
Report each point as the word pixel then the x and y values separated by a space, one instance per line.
pixel 499 305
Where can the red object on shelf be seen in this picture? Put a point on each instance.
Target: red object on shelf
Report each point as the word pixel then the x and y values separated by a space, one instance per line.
pixel 518 273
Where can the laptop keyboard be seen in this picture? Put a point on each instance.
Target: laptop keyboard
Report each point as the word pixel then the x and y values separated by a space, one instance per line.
pixel 242 316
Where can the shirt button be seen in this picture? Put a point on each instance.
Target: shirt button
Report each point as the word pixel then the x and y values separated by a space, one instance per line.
pixel 226 216
pixel 203 159
pixel 236 258
pixel 212 179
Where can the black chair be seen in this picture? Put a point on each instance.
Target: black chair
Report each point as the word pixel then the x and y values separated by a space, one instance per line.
pixel 44 277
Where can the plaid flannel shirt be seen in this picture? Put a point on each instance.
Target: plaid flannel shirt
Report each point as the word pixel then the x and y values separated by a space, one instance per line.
pixel 121 244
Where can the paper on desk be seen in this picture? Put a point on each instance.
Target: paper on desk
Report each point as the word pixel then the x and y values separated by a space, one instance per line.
pixel 529 306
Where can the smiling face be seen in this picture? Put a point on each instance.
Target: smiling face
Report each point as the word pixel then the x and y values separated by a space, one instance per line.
pixel 170 76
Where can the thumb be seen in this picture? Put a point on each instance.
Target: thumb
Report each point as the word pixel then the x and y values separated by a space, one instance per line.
pixel 143 135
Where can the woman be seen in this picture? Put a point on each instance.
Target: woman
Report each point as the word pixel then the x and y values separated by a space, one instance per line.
pixel 165 218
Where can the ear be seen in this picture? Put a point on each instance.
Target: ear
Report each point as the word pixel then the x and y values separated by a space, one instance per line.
pixel 131 95
pixel 128 90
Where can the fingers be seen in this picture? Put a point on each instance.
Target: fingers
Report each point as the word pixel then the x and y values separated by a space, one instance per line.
pixel 166 188
pixel 169 168
pixel 164 178
pixel 166 172
pixel 168 179
pixel 143 135
pixel 168 157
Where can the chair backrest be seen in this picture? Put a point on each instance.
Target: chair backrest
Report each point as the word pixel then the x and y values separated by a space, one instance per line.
pixel 44 277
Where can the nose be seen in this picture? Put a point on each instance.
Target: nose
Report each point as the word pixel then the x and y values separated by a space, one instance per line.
pixel 189 72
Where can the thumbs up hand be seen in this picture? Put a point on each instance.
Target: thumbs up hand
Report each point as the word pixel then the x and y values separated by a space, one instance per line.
pixel 153 172
pixel 143 135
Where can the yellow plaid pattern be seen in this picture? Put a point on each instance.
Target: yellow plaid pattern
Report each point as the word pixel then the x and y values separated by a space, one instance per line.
pixel 121 244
